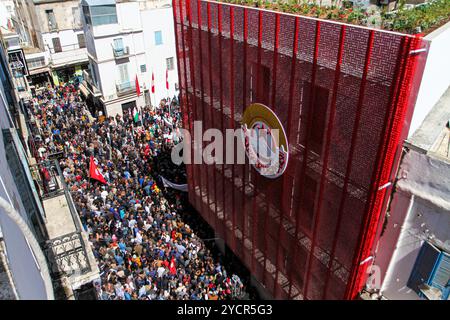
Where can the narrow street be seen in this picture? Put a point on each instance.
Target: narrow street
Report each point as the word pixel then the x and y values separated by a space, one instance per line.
pixel 143 246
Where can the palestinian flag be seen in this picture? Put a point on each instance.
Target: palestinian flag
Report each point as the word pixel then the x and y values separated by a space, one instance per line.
pixel 135 115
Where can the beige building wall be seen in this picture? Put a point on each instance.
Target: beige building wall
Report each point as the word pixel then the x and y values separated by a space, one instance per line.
pixel 67 15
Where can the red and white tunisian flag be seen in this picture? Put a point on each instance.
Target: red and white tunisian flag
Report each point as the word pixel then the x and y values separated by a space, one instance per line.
pixel 172 267
pixel 153 83
pixel 94 173
pixel 138 89
pixel 167 79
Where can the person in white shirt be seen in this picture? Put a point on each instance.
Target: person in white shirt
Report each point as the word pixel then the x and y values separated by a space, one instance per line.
pixel 160 271
pixel 104 195
pixel 138 238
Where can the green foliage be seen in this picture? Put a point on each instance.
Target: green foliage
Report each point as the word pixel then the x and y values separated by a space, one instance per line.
pixel 419 19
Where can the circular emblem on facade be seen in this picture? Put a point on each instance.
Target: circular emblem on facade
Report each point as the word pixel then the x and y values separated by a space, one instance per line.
pixel 264 140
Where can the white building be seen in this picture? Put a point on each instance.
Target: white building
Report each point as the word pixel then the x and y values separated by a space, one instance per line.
pixel 22 269
pixel 59 30
pixel 42 241
pixel 413 253
pixel 51 35
pixel 7 12
pixel 128 40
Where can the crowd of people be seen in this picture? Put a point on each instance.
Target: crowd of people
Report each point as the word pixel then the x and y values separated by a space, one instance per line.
pixel 144 248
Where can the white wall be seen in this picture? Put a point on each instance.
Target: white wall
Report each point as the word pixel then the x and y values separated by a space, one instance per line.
pixel 25 271
pixel 136 28
pixel 71 52
pixel 4 14
pixel 155 20
pixel 64 15
pixel 421 202
pixel 68 39
pixel 109 74
pixel 436 76
pixel 128 15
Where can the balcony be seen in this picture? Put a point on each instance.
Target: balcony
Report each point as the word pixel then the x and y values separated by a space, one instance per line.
pixel 36 63
pixel 68 248
pixel 126 87
pixel 67 55
pixel 89 84
pixel 121 52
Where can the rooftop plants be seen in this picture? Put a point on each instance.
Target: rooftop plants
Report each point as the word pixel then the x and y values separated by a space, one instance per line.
pixel 423 18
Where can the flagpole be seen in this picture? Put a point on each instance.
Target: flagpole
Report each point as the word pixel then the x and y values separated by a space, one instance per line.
pixel 89 175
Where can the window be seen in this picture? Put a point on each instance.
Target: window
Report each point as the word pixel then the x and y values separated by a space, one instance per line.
pixel 431 271
pixel 158 38
pixel 101 15
pixel 56 45
pixel 143 68
pixel 51 20
pixel 17 161
pixel 123 75
pixel 13 42
pixel 93 71
pixel 118 45
pixel 169 62
pixel 81 40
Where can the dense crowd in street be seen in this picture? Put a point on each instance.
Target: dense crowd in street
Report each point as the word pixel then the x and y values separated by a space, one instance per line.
pixel 144 249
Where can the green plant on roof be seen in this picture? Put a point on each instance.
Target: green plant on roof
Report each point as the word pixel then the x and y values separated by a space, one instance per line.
pixel 418 19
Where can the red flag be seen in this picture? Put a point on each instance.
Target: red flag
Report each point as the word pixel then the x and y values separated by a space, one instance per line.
pixel 172 267
pixel 153 83
pixel 167 79
pixel 138 89
pixel 94 173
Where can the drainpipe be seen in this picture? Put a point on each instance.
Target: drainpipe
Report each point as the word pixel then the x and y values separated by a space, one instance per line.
pixel 37 251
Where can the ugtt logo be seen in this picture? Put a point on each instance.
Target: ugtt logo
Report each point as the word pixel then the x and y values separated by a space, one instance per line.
pixel 261 137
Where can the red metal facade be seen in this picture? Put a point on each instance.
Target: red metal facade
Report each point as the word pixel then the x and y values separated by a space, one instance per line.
pixel 342 93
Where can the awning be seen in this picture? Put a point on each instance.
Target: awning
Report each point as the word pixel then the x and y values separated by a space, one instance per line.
pixel 38 71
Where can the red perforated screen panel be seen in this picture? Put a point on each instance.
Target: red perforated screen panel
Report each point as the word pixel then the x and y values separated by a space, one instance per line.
pixel 342 94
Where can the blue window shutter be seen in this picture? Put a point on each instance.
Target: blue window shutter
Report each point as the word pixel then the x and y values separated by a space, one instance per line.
pixel 441 275
pixel 158 38
pixel 423 267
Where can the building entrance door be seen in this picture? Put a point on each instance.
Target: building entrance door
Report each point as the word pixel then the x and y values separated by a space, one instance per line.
pixel 128 107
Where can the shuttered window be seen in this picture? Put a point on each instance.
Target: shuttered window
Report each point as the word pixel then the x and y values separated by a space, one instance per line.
pixel 56 45
pixel 432 268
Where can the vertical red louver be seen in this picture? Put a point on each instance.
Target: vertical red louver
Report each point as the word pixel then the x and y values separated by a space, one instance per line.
pixel 342 93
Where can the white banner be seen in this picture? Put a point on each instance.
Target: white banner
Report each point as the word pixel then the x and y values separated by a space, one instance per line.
pixel 168 184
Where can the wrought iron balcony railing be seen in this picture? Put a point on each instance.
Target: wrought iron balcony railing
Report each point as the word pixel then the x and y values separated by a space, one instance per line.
pixel 121 52
pixel 125 87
